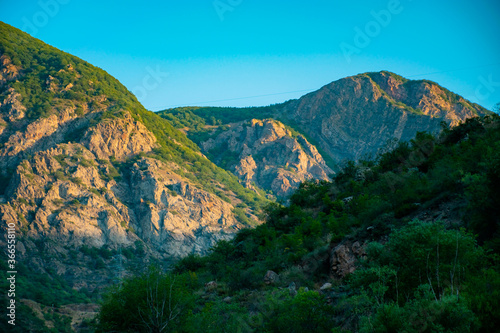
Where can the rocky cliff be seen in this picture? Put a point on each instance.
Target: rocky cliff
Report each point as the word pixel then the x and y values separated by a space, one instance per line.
pixel 266 154
pixel 96 185
pixel 355 117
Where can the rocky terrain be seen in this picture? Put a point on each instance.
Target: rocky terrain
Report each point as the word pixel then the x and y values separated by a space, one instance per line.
pixel 267 155
pixel 352 118
pixel 87 176
pixel 69 197
pixel 98 187
pixel 356 117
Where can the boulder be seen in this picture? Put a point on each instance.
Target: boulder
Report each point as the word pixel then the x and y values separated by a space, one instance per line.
pixel 343 258
pixel 271 277
pixel 211 286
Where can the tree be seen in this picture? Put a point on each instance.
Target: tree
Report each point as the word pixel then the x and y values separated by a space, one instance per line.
pixel 426 253
pixel 152 302
pixel 306 312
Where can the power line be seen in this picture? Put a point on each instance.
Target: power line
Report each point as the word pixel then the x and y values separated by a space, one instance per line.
pixel 313 89
pixel 239 98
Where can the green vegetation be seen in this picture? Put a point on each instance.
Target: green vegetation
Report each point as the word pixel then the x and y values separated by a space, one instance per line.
pixel 197 117
pixel 49 290
pixel 152 302
pixel 430 276
pixel 52 80
pixel 206 122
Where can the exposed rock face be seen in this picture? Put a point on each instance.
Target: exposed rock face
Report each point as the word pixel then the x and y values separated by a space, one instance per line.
pixel 38 135
pixel 266 154
pixel 173 215
pixel 72 197
pixel 12 109
pixel 8 71
pixel 426 96
pixel 343 258
pixel 356 116
pixel 119 138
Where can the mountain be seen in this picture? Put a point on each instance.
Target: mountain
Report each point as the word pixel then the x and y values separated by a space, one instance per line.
pixel 98 187
pixel 356 116
pixel 266 154
pixel 350 119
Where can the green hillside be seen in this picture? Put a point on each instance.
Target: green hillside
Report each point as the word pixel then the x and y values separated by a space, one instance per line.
pixel 44 74
pixel 428 215
pixel 51 82
pixel 201 121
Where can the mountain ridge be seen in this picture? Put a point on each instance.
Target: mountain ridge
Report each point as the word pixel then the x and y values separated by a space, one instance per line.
pixel 334 118
pixel 98 187
pixel 75 147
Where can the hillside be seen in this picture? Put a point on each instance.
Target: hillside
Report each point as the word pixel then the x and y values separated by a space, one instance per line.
pixel 98 188
pixel 96 185
pixel 387 246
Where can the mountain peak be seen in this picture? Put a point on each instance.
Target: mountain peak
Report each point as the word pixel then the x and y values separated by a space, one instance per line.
pixel 355 117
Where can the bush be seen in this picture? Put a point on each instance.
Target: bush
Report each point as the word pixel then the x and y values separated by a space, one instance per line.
pixel 306 312
pixel 152 302
pixel 219 317
pixel 422 314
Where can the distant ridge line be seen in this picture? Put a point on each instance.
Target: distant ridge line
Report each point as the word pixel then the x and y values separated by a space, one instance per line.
pixel 310 90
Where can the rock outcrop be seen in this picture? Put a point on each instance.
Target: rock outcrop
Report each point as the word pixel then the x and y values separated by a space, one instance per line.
pixel 12 109
pixel 355 117
pixel 93 192
pixel 119 138
pixel 8 71
pixel 266 154
pixel 71 198
pixel 343 258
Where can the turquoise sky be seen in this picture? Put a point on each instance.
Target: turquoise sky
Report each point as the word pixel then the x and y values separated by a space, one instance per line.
pixel 257 52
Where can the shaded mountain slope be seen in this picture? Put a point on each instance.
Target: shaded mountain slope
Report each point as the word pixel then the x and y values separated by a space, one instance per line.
pixel 87 172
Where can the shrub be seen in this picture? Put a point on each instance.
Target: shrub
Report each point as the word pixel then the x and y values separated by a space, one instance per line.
pixel 152 302
pixel 306 312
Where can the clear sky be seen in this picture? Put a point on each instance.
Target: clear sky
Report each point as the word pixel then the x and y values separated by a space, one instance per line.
pixel 257 52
